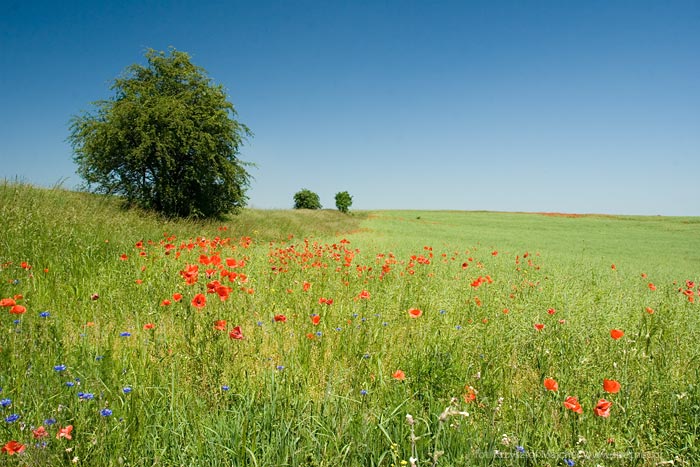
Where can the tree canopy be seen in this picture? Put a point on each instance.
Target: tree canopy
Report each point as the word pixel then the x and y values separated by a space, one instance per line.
pixel 306 199
pixel 166 141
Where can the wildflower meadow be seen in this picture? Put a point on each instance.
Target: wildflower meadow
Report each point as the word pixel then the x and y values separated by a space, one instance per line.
pixel 388 338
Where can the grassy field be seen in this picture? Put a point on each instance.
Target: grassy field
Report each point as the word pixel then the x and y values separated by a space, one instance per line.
pixel 389 338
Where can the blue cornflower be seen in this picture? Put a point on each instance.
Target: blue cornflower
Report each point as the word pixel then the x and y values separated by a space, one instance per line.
pixel 12 418
pixel 44 314
pixel 225 388
pixel 569 462
pixel 363 392
pixel 520 449
pixel 458 327
pixel 125 334
pixel 70 384
pixel 338 329
pixel 126 390
pixel 260 323
pixel 50 421
pixel 59 368
pixel 17 321
pixel 442 312
pixel 86 396
pixel 319 333
pixel 280 367
pixel 105 412
pixel 5 402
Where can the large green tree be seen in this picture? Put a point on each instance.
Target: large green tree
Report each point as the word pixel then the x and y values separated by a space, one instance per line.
pixel 166 141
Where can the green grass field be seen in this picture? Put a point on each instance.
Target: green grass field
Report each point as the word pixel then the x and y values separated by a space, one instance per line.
pixel 388 338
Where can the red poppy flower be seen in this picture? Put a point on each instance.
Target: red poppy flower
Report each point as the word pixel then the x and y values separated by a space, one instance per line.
pixel 414 313
pixel 539 326
pixel 7 302
pixel 611 386
pixel 199 301
pixel 280 318
pixel 306 286
pixel 399 375
pixel 310 335
pixel 236 333
pixel 315 319
pixel 364 295
pixel 551 384
pixel 17 310
pixel 651 286
pixel 13 447
pixel 551 311
pixel 616 333
pixel 470 394
pixel 572 404
pixel 165 302
pixel 65 432
pixel 149 326
pixel 650 310
pixel 123 257
pixel 602 408
pixel 40 432
pixel 220 325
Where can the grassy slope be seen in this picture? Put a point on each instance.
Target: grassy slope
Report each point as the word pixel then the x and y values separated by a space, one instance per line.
pixel 310 414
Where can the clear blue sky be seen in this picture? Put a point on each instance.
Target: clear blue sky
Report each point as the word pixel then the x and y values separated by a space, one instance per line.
pixel 472 105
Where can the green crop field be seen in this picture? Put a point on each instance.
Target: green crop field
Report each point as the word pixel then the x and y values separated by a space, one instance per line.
pixel 314 338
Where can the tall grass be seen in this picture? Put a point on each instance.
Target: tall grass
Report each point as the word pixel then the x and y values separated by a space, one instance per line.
pixel 322 301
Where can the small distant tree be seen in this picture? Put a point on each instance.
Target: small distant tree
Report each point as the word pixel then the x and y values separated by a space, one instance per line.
pixel 343 201
pixel 167 141
pixel 306 199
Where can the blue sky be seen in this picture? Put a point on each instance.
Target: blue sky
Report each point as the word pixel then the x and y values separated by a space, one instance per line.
pixel 590 107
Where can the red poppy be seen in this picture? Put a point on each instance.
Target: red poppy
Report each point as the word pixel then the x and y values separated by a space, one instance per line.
pixel 17 310
pixel 280 318
pixel 602 408
pixel 40 432
pixel 414 313
pixel 611 386
pixel 177 297
pixel 651 286
pixel 165 302
pixel 310 335
pixel 399 375
pixel 551 384
pixel 613 267
pixel 539 326
pixel 364 295
pixel 236 333
pixel 199 301
pixel 616 333
pixel 572 404
pixel 149 326
pixel 7 302
pixel 65 432
pixel 650 310
pixel 123 257
pixel 13 447
pixel 470 394
pixel 551 311
pixel 306 286
pixel 315 319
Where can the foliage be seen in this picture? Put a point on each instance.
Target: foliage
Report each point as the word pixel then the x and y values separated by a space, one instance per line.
pixel 343 201
pixel 306 199
pixel 167 141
